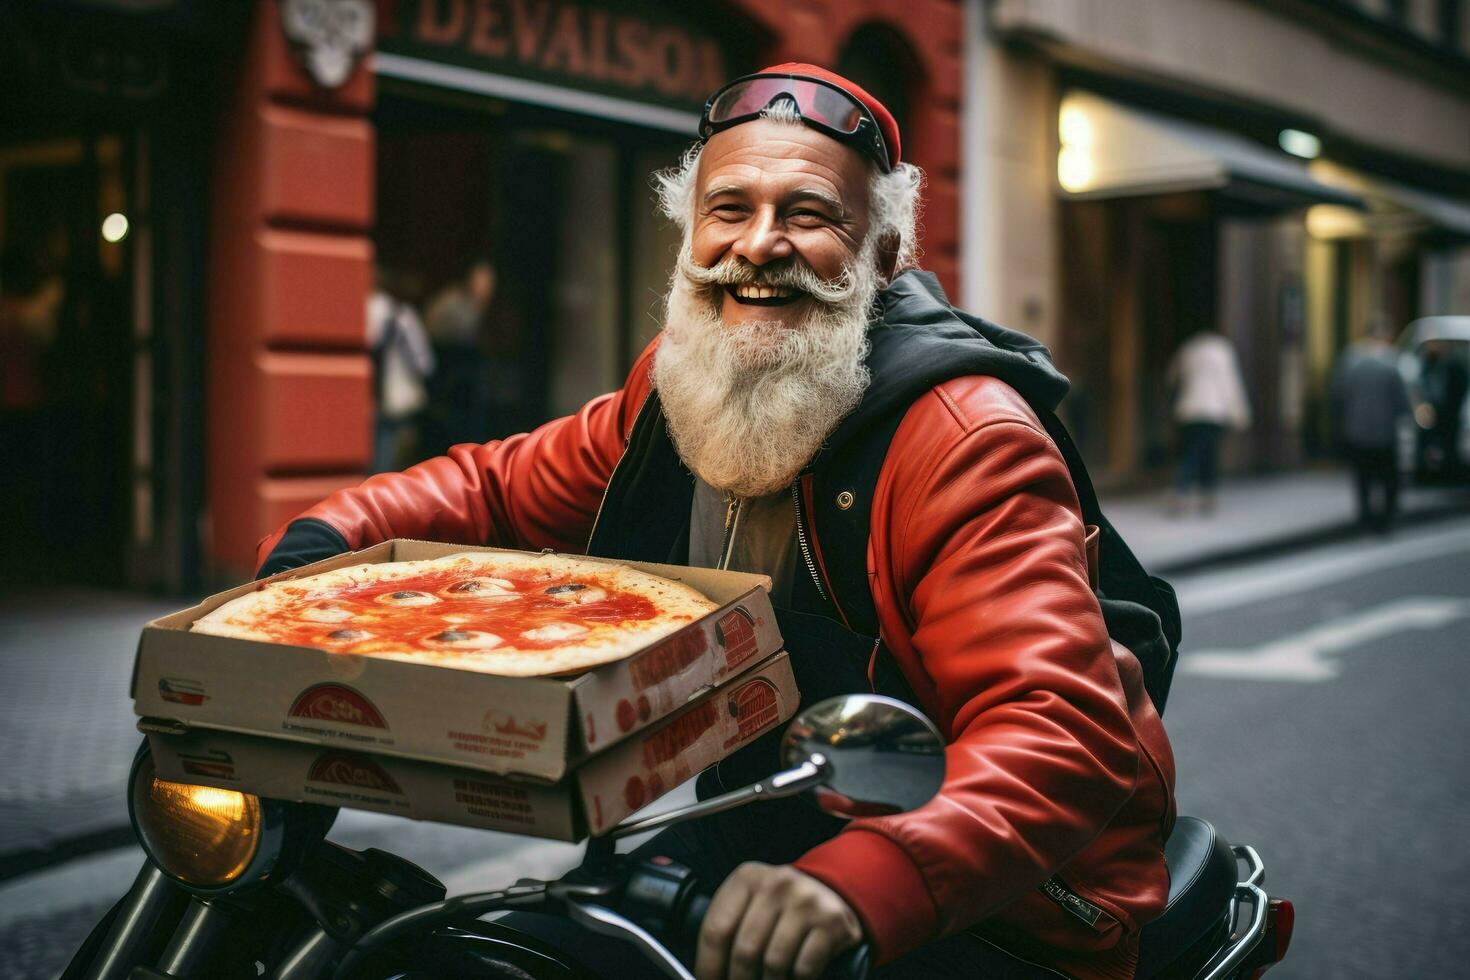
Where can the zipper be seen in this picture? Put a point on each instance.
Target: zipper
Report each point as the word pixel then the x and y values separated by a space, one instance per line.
pixel 732 522
pixel 603 502
pixel 806 554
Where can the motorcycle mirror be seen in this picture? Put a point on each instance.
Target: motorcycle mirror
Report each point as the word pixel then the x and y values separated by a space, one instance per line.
pixel 885 756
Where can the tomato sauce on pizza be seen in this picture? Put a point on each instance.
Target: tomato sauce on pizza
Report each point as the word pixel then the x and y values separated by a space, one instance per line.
pixel 497 612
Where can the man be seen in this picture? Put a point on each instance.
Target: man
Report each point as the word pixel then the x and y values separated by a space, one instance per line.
pixel 460 395
pixel 1369 400
pixel 796 329
pixel 1209 398
pixel 402 362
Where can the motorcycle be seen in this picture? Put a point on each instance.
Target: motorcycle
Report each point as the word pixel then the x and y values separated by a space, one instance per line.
pixel 240 886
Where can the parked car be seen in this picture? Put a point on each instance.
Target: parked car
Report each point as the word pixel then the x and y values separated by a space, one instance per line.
pixel 1434 358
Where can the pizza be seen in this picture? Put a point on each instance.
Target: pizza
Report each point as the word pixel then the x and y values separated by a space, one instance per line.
pixel 513 614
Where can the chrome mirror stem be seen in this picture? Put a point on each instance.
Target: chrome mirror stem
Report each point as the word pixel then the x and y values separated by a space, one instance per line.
pixel 815 771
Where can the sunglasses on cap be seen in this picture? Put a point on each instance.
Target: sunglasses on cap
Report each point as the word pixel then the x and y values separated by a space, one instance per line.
pixel 821 105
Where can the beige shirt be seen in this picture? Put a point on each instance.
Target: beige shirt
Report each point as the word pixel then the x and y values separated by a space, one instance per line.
pixel 761 536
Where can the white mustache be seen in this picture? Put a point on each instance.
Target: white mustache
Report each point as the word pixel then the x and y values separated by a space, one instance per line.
pixel 791 274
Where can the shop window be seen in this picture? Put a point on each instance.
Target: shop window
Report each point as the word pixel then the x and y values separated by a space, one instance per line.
pixel 559 210
pixel 66 366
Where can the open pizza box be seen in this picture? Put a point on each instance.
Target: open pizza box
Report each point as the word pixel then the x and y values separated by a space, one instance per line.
pixel 592 798
pixel 528 726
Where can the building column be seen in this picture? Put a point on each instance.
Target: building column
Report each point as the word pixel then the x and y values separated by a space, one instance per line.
pixel 1008 209
pixel 289 400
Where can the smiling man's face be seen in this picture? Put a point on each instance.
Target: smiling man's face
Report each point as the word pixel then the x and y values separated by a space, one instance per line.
pixel 775 194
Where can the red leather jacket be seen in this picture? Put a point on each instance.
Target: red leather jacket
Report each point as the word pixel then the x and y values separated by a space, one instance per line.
pixel 1057 763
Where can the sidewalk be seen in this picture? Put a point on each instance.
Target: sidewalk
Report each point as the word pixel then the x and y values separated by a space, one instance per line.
pixel 1256 516
pixel 66 721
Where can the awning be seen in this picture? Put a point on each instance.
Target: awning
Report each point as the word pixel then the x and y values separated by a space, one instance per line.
pixel 1392 208
pixel 1110 150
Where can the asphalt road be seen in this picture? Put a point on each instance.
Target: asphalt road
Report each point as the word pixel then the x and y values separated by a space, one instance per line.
pixel 1318 714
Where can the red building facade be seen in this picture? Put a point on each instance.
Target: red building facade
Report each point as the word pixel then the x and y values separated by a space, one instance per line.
pixel 292 242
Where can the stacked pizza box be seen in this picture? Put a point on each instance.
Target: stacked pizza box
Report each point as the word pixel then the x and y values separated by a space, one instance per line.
pixel 555 757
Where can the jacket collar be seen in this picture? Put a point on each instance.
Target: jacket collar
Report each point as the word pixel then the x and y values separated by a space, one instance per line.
pixel 919 340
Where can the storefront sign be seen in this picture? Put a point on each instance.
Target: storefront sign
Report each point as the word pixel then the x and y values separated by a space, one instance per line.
pixel 645 52
pixel 328 35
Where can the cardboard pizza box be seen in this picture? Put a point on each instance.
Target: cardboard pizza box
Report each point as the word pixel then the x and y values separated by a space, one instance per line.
pixel 592 798
pixel 529 726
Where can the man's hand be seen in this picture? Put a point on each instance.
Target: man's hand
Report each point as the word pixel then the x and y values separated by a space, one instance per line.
pixel 773 922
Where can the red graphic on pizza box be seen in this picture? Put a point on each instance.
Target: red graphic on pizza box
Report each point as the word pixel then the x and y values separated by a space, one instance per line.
pixel 351 769
pixel 668 742
pixel 736 633
pixel 180 690
pixel 214 764
pixel 668 659
pixel 630 715
pixel 754 705
pixel 502 735
pixel 503 724
pixel 337 703
pixel 635 793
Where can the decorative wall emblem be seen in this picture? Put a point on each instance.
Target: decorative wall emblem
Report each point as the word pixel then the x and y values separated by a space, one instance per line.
pixel 329 36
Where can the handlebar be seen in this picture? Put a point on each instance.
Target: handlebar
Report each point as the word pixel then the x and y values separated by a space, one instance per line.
pixel 665 898
pixel 659 907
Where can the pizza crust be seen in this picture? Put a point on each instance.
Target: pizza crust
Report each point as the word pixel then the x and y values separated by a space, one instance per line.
pixel 525 616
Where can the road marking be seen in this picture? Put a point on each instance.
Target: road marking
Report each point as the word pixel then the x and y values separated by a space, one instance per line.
pixel 1305 656
pixel 1199 595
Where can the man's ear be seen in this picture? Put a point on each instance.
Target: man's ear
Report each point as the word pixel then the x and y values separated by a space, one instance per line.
pixel 887 256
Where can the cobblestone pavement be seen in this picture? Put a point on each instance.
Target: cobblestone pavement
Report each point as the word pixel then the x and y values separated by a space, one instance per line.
pixel 66 730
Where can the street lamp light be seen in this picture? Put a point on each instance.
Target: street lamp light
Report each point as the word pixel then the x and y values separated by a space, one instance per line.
pixel 115 227
pixel 1300 144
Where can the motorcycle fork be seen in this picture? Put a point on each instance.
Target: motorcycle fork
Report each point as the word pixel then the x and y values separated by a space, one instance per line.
pixel 144 921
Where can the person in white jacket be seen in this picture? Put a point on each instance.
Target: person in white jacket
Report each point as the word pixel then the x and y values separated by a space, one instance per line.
pixel 402 363
pixel 1209 398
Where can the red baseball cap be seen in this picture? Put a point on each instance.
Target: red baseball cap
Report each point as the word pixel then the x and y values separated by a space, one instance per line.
pixel 886 124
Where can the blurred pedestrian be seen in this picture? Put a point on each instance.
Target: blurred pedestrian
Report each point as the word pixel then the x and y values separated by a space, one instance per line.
pixel 403 362
pixel 1369 399
pixel 460 395
pixel 1209 398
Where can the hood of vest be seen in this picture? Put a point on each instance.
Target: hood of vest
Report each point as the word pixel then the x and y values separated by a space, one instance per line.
pixel 920 341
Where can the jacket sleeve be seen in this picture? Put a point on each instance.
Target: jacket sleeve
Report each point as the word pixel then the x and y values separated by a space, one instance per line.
pixel 979 575
pixel 535 490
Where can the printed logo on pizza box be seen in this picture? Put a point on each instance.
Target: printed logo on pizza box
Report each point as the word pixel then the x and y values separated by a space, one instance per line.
pixel 503 724
pixel 680 734
pixel 339 703
pixel 181 690
pixel 637 794
pixel 668 659
pixel 736 633
pixel 214 764
pixel 754 705
pixel 630 714
pixel 351 769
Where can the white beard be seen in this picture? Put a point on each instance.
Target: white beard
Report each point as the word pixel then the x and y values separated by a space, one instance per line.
pixel 748 405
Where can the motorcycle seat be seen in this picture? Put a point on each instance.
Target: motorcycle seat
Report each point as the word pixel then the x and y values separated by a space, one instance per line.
pixel 1202 878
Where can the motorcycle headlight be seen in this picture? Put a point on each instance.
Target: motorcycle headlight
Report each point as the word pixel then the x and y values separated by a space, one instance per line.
pixel 215 840
pixel 204 837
